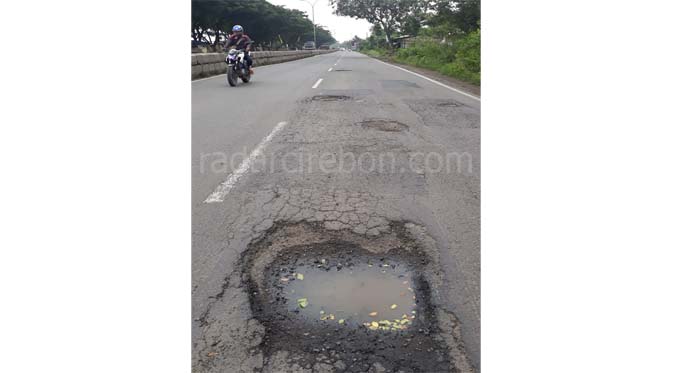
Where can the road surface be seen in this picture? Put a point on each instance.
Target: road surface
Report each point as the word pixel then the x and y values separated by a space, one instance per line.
pixel 336 145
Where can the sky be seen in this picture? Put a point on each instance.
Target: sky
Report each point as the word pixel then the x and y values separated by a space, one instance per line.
pixel 342 28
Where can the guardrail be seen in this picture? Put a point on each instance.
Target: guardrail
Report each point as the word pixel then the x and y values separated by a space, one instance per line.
pixel 206 64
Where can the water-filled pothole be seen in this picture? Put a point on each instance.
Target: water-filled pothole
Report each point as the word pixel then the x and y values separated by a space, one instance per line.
pixel 330 98
pixel 376 294
pixel 334 301
pixel 384 125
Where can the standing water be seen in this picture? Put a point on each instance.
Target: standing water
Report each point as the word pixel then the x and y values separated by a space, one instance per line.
pixel 377 295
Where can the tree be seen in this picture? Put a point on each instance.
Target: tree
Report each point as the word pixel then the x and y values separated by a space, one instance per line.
pixel 464 15
pixel 269 25
pixel 390 15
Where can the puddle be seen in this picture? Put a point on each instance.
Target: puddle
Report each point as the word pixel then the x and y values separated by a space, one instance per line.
pixel 384 125
pixel 342 298
pixel 377 295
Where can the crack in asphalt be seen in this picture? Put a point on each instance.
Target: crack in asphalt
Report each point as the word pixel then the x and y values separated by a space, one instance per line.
pixel 364 206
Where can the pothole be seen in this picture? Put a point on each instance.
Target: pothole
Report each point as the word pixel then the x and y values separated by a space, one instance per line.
pixel 384 125
pixel 330 98
pixel 342 298
pixel 371 292
pixel 397 84
pixel 450 104
pixel 342 70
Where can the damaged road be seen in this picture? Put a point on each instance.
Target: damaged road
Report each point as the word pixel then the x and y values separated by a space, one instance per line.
pixel 349 240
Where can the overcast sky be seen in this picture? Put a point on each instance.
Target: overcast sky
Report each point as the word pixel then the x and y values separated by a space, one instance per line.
pixel 342 28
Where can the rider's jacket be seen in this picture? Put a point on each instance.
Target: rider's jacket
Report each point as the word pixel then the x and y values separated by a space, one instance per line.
pixel 240 42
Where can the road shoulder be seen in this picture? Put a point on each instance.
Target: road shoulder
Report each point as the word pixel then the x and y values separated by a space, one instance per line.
pixel 453 82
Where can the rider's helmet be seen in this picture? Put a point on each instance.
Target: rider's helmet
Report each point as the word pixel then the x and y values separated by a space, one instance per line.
pixel 237 28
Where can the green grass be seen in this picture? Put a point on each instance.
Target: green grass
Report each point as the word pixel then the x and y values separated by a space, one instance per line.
pixel 461 59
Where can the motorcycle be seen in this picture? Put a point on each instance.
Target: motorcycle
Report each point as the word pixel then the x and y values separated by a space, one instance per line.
pixel 237 68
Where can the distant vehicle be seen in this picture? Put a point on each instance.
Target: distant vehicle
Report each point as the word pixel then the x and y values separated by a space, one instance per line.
pixel 343 49
pixel 309 46
pixel 325 46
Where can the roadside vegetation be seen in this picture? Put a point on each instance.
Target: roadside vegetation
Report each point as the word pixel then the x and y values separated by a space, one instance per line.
pixel 270 26
pixel 441 35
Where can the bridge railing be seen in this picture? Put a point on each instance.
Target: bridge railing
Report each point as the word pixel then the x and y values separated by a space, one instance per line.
pixel 207 64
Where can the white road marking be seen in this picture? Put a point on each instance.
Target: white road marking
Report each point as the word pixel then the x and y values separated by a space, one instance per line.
pixel 330 68
pixel 317 83
pixel 431 80
pixel 223 189
pixel 225 73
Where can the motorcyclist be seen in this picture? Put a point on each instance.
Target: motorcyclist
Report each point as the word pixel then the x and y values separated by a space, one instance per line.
pixel 241 41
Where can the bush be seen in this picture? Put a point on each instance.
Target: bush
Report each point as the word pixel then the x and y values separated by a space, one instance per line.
pixel 376 52
pixel 459 58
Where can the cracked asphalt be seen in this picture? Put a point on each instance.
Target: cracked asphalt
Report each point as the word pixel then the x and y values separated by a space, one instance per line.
pixel 372 169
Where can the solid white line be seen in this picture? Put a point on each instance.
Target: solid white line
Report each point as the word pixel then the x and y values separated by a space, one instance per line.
pixel 221 191
pixel 317 83
pixel 430 80
pixel 330 68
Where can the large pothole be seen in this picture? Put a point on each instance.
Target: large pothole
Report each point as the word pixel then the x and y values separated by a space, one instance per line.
pixel 344 286
pixel 352 302
pixel 384 125
pixel 330 98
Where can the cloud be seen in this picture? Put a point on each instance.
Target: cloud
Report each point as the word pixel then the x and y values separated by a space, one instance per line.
pixel 342 28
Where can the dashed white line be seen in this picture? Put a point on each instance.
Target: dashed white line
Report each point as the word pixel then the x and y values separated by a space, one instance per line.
pixel 223 189
pixel 431 80
pixel 317 83
pixel 330 68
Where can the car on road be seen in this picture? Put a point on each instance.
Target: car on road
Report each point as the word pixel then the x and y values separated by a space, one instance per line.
pixel 309 46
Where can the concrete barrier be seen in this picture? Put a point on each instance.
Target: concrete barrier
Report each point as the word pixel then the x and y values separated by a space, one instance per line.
pixel 207 64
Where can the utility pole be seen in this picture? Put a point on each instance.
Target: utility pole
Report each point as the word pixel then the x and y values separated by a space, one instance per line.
pixel 314 24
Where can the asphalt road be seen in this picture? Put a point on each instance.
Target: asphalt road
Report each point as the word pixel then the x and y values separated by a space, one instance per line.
pixel 270 154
